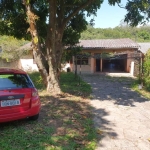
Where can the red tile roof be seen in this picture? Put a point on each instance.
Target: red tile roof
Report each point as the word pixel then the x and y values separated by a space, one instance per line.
pixel 108 43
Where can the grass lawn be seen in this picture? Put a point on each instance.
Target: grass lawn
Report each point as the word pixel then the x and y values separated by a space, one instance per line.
pixel 144 92
pixel 65 121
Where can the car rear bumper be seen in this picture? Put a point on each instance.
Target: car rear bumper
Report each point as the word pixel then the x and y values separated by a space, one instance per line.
pixel 20 115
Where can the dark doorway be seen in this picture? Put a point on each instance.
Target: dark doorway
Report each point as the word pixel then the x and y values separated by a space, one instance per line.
pixel 114 65
pixel 97 65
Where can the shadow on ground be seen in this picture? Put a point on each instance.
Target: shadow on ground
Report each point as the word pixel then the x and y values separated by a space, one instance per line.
pixel 116 89
pixel 65 123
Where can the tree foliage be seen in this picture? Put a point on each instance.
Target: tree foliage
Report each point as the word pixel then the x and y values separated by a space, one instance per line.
pixel 140 34
pixel 13 19
pixel 138 12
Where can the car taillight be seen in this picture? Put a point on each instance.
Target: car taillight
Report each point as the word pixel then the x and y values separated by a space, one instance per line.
pixel 34 93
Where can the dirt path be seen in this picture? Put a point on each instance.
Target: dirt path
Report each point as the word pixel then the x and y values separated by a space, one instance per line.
pixel 121 115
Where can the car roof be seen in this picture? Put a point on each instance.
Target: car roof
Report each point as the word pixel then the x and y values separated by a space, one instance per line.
pixel 11 70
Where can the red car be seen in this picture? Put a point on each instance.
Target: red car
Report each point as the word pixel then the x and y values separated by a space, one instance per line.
pixel 18 96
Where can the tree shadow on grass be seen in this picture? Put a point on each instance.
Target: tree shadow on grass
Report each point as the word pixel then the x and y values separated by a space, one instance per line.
pixel 74 85
pixel 65 122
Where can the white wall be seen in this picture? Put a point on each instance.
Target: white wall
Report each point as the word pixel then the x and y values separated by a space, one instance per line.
pixel 84 68
pixel 28 65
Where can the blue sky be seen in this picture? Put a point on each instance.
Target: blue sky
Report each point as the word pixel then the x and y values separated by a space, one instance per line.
pixel 109 16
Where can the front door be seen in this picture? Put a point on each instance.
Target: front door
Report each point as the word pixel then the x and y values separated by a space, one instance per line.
pixel 98 65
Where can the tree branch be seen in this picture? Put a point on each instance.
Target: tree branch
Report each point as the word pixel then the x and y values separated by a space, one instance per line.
pixel 61 13
pixel 120 6
pixel 76 11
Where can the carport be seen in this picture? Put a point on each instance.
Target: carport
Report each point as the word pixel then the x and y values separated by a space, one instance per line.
pixel 107 55
pixel 112 64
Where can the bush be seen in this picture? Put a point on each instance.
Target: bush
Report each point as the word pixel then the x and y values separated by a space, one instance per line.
pixel 147 83
pixel 147 70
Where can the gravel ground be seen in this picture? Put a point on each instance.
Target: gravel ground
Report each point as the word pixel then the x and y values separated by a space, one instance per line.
pixel 121 116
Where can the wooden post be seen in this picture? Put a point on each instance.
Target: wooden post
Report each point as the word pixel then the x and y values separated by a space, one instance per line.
pixel 101 62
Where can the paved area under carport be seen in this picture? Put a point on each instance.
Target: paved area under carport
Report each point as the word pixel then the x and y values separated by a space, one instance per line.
pixel 121 115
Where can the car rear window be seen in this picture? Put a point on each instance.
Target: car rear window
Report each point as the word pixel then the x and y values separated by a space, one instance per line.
pixel 13 81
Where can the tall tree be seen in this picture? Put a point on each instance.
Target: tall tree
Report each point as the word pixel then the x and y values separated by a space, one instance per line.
pixel 46 21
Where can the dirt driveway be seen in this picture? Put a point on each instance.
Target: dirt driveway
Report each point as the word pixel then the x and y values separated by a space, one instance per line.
pixel 121 115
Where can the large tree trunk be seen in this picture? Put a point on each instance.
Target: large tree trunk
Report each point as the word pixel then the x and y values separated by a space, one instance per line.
pixel 54 49
pixel 54 62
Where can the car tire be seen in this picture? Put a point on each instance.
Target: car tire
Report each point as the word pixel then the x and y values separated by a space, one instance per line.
pixel 35 117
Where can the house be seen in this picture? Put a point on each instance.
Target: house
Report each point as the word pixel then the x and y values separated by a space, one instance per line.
pixel 25 61
pixel 104 55
pixel 108 55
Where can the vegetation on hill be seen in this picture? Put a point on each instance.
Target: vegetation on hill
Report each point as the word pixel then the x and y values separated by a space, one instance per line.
pixel 9 46
pixel 138 34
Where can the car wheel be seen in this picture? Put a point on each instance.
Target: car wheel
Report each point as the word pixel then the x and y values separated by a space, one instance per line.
pixel 35 117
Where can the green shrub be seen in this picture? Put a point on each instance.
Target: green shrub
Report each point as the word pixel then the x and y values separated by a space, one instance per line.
pixel 147 83
pixel 147 70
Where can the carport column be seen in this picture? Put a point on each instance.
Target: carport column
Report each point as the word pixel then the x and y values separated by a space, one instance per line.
pixel 101 67
pixel 128 65
pixel 92 63
pixel 132 68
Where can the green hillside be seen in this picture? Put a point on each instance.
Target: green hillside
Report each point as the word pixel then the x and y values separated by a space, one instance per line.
pixel 141 34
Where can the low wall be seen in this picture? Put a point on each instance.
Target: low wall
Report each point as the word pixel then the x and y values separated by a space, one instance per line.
pixel 28 65
pixel 14 64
